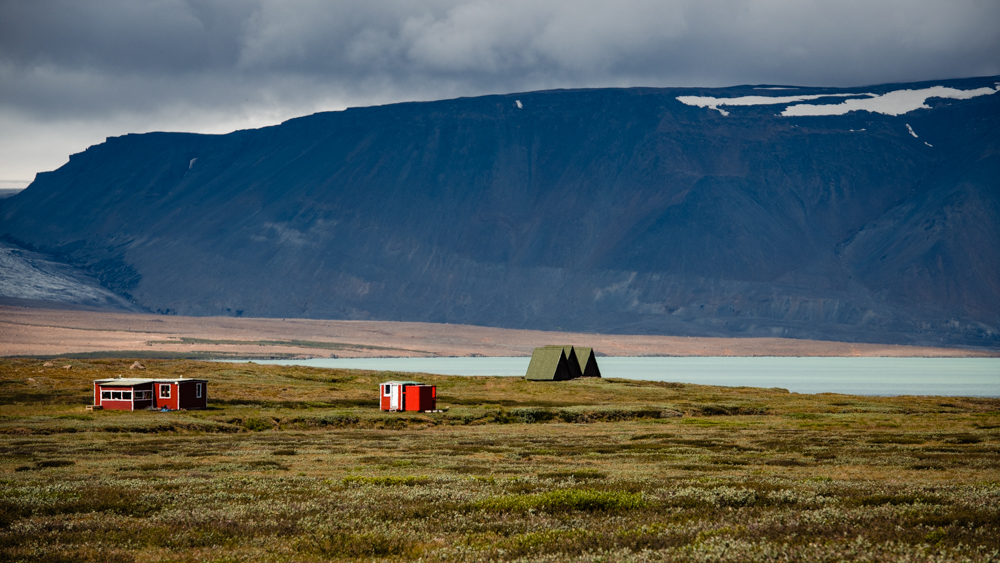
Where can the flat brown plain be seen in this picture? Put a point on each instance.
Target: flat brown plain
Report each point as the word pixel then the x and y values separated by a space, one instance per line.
pixel 49 332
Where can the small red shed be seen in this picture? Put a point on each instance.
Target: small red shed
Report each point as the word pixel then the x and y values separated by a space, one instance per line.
pixel 129 394
pixel 407 396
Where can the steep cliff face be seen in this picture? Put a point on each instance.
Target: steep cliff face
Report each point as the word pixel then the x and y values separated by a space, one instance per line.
pixel 612 210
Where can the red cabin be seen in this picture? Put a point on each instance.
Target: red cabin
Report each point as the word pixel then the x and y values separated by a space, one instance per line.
pixel 407 396
pixel 129 394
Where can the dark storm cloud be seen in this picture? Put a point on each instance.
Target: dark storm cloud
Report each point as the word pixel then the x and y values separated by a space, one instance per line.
pixel 122 35
pixel 72 72
pixel 66 56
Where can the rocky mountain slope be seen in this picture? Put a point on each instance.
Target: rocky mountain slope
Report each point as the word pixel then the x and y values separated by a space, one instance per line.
pixel 29 279
pixel 608 210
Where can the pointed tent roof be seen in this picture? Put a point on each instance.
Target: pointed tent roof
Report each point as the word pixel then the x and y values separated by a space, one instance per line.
pixel 548 363
pixel 572 361
pixel 588 362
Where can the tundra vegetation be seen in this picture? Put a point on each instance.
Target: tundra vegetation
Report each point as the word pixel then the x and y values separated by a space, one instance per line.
pixel 298 464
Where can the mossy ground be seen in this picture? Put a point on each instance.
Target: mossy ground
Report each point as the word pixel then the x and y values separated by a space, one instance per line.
pixel 298 464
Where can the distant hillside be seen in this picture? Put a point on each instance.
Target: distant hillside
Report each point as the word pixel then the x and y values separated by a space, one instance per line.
pixel 610 210
pixel 28 279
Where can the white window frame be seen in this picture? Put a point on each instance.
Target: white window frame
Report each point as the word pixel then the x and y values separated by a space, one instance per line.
pixel 116 392
pixel 105 395
pixel 197 390
pixel 128 397
pixel 164 387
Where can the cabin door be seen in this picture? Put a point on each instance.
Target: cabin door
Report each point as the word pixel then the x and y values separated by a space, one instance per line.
pixel 394 398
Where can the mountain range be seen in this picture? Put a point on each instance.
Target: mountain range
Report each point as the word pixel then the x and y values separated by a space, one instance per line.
pixel 860 214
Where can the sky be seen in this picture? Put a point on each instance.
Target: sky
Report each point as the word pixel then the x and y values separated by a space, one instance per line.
pixel 75 72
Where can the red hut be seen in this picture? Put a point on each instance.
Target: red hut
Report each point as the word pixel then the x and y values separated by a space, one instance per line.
pixel 407 396
pixel 129 394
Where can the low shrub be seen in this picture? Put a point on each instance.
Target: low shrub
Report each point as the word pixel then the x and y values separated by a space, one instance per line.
pixel 54 463
pixel 565 500
pixel 729 410
pixel 265 464
pixel 257 424
pixel 787 462
pixel 610 415
pixel 339 420
pixel 341 545
pixel 579 475
pixel 692 497
pixel 389 481
pixel 551 541
pixel 963 439
pixel 898 500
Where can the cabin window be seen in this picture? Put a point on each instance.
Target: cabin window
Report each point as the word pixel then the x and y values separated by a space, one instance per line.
pixel 117 395
pixel 143 395
pixel 385 391
pixel 105 394
pixel 126 395
pixel 165 391
pixel 197 390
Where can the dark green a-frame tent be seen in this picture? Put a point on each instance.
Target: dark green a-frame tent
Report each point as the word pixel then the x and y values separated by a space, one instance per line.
pixel 559 363
pixel 588 362
pixel 548 363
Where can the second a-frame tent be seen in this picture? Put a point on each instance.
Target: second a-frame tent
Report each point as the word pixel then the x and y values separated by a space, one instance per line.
pixel 588 362
pixel 572 361
pixel 559 363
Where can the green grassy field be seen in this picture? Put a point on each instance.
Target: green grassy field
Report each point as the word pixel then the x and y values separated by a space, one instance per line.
pixel 298 464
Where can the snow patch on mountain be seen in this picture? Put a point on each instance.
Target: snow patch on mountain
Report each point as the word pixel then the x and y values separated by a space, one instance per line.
pixel 896 102
pixel 714 103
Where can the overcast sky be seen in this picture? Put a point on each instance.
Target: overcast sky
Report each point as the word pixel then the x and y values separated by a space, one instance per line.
pixel 73 72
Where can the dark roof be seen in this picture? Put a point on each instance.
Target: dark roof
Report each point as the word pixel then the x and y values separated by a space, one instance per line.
pixel 131 381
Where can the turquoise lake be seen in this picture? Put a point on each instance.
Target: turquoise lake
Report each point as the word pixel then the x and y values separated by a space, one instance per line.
pixel 964 377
